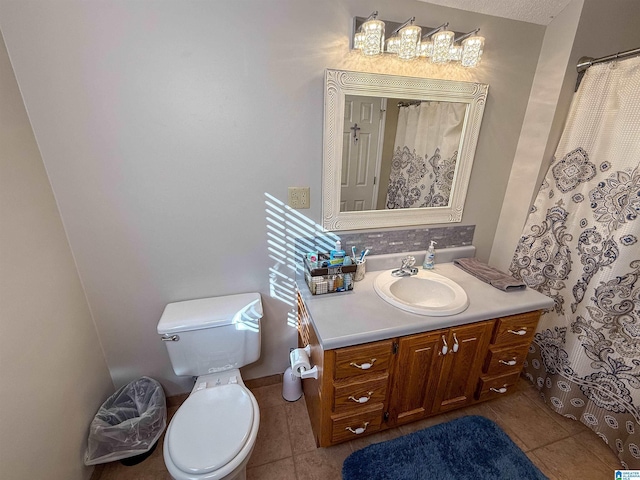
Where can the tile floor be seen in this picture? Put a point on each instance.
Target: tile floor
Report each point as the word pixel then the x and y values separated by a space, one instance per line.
pixel 285 449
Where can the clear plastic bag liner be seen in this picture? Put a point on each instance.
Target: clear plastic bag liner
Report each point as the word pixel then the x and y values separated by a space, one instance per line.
pixel 128 423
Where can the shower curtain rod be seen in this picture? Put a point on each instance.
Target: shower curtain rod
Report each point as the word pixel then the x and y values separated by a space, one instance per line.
pixel 585 62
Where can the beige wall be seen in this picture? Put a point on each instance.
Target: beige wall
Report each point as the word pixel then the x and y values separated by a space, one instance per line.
pixel 53 376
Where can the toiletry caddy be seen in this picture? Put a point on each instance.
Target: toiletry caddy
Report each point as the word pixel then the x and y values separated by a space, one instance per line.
pixel 328 278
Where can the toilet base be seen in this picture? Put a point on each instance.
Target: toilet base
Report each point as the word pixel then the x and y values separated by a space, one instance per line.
pixel 228 472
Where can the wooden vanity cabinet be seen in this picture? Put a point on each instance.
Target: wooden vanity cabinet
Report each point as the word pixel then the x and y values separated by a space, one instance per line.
pixel 461 369
pixel 366 388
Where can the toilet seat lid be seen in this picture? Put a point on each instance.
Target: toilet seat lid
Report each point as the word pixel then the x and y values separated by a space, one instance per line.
pixel 210 428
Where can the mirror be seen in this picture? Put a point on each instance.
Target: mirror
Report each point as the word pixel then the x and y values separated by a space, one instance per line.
pixel 398 151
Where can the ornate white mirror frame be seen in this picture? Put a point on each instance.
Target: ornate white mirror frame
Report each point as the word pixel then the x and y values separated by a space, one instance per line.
pixel 338 84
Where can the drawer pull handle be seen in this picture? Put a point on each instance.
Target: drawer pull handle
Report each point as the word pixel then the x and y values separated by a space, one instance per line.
pixel 522 331
pixel 509 363
pixel 499 390
pixel 362 399
pixel 445 347
pixel 359 430
pixel 364 366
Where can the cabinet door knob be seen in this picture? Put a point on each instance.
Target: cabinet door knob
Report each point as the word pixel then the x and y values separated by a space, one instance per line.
pixel 499 390
pixel 456 345
pixel 363 399
pixel 364 366
pixel 522 331
pixel 359 430
pixel 510 363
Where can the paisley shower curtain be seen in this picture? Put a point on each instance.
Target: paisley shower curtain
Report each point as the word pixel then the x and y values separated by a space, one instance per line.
pixel 425 154
pixel 580 247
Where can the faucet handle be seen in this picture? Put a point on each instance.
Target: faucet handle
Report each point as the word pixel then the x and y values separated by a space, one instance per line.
pixel 408 261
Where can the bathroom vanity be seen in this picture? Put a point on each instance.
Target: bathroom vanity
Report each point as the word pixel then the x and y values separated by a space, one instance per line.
pixel 380 366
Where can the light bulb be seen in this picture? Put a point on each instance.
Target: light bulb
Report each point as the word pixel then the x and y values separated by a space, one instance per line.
pixel 426 48
pixel 393 44
pixel 358 40
pixel 455 53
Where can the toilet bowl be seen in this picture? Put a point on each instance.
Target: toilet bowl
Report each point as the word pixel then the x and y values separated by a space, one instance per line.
pixel 212 434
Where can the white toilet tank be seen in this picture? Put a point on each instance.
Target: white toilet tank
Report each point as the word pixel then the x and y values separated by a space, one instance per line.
pixel 212 334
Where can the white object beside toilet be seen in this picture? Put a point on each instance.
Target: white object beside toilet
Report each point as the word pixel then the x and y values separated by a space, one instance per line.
pixel 212 434
pixel 291 386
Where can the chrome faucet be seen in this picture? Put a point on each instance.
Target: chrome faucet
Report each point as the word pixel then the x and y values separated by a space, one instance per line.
pixel 407 268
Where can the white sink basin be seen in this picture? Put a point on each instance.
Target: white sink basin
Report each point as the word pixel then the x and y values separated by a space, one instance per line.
pixel 425 293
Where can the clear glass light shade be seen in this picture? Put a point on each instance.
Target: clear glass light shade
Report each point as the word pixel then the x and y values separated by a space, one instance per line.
pixel 358 40
pixel 393 44
pixel 455 53
pixel 373 41
pixel 442 43
pixel 426 48
pixel 409 41
pixel 472 49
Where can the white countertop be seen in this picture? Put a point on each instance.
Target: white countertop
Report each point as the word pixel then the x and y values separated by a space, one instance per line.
pixel 361 316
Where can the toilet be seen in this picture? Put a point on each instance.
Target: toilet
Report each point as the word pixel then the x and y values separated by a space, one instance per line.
pixel 212 434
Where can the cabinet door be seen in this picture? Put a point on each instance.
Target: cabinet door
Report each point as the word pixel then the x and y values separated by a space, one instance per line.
pixel 461 369
pixel 415 378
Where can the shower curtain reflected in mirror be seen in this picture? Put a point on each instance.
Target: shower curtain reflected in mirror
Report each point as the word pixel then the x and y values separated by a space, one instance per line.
pixel 425 154
pixel 580 247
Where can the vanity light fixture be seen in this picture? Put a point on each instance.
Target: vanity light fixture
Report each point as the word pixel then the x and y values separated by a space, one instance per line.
pixel 439 46
pixel 442 43
pixel 409 35
pixel 426 45
pixel 370 37
pixel 472 49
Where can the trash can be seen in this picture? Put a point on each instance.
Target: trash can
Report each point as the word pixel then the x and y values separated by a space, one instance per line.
pixel 128 424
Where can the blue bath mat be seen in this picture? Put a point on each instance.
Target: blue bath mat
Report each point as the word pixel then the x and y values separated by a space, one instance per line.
pixel 472 448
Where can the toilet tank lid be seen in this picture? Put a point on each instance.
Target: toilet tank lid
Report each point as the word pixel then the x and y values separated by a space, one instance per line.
pixel 210 312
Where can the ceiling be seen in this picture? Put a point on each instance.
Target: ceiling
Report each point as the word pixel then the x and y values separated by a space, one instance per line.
pixel 532 11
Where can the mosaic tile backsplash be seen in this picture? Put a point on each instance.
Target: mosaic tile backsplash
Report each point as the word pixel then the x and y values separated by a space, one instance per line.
pixel 398 241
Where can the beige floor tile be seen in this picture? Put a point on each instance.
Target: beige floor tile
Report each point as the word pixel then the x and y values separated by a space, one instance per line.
pixel 279 470
pixel 300 433
pixel 322 463
pixel 596 446
pixel 273 437
pixel 517 414
pixel 269 396
pixel 541 466
pixel 568 459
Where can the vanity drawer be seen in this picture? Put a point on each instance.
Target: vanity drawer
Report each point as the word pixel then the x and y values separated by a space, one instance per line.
pixel 493 387
pixel 362 359
pixel 515 329
pixel 502 360
pixel 356 395
pixel 348 427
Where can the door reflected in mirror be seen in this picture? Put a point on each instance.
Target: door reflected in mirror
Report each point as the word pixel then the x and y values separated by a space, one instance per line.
pixel 399 152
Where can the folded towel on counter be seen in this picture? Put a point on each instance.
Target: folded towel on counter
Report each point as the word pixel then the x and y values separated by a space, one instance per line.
pixel 490 275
